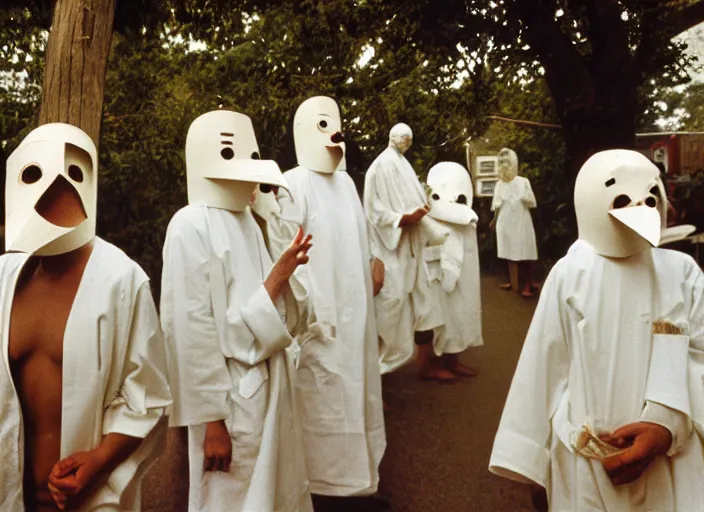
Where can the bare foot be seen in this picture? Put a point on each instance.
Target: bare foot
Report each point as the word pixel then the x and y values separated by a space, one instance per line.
pixel 505 286
pixel 431 372
pixel 527 294
pixel 464 370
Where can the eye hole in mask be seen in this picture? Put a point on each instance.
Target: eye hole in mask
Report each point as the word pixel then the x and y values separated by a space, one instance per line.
pixel 436 197
pixel 256 156
pixel 462 199
pixel 31 175
pixel 75 173
pixel 265 188
pixel 227 153
pixel 621 201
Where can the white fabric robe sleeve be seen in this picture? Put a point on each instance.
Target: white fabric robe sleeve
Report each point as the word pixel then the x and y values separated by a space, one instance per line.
pixel 696 349
pixel 144 395
pixel 256 330
pixel 381 217
pixel 497 200
pixel 200 380
pixel 677 422
pixel 451 260
pixel 521 448
pixel 528 195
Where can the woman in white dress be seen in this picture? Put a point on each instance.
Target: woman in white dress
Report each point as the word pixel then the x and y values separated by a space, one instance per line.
pixel 515 235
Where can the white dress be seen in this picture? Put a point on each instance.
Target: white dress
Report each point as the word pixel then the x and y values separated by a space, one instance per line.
pixel 405 303
pixel 113 377
pixel 227 357
pixel 587 360
pixel 339 382
pixel 515 235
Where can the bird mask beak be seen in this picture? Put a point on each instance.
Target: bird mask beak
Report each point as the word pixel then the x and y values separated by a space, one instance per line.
pixel 644 220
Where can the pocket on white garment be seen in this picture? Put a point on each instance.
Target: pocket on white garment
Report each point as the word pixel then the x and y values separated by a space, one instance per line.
pixel 251 381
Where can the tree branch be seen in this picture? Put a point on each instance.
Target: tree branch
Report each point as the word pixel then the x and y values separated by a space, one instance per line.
pixel 544 35
pixel 607 30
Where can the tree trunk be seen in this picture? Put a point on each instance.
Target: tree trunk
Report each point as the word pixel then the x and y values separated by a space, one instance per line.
pixel 596 128
pixel 75 64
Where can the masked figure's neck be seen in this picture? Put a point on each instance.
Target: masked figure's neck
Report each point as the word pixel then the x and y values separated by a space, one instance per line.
pixel 62 263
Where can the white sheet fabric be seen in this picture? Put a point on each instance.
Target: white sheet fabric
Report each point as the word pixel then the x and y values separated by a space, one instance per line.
pixel 338 380
pixel 586 360
pixel 454 272
pixel 405 303
pixel 226 344
pixel 114 377
pixel 515 235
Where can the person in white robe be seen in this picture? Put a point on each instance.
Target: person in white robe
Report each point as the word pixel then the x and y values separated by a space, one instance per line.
pixel 515 235
pixel 395 205
pixel 453 267
pixel 606 408
pixel 114 390
pixel 227 325
pixel 338 379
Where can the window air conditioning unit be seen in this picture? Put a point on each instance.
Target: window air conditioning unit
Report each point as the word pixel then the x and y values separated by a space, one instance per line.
pixel 486 175
pixel 487 166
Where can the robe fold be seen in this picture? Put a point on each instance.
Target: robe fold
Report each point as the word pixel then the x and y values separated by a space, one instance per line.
pixel 113 377
pixel 515 235
pixel 405 303
pixel 587 359
pixel 453 268
pixel 227 358
pixel 339 382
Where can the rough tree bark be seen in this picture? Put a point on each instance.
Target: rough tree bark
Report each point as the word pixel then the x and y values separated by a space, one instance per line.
pixel 75 64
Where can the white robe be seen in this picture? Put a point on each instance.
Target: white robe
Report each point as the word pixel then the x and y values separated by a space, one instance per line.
pixel 454 273
pixel 339 383
pixel 405 303
pixel 586 360
pixel 515 235
pixel 113 376
pixel 226 344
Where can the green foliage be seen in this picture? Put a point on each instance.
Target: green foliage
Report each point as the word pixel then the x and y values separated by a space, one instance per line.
pixel 441 67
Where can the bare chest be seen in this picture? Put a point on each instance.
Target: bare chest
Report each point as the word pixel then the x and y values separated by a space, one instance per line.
pixel 40 313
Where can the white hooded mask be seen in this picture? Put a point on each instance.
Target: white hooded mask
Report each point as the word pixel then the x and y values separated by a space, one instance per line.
pixel 317 135
pixel 223 165
pixel 401 137
pixel 620 203
pixel 52 157
pixel 451 194
pixel 508 164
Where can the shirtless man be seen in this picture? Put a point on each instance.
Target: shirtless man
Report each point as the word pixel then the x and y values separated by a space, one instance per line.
pixel 61 467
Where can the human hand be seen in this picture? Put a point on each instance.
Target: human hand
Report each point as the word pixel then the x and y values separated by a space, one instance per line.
pixel 71 476
pixel 413 218
pixel 642 443
pixel 378 274
pixel 217 447
pixel 296 254
pixel 492 224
